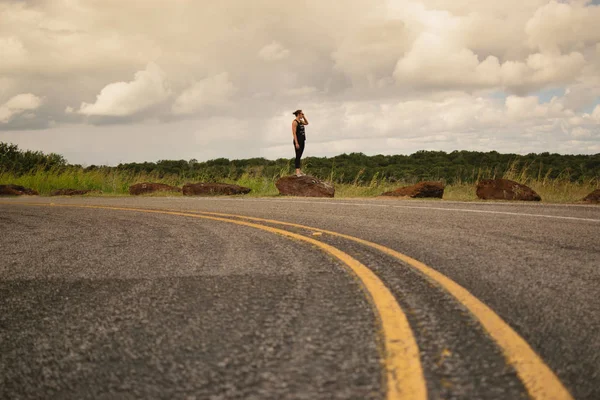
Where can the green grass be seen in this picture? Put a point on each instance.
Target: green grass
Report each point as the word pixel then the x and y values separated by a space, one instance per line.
pixel 460 192
pixel 261 186
pixel 108 182
pixel 116 183
pixel 562 191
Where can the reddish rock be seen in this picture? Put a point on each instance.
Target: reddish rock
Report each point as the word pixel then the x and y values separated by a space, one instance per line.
pixel 420 190
pixel 593 197
pixel 16 190
pixel 147 187
pixel 213 189
pixel 504 189
pixel 304 186
pixel 70 192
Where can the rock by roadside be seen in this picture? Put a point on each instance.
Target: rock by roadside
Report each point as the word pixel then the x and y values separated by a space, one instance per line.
pixel 149 187
pixel 304 186
pixel 16 190
pixel 593 197
pixel 72 192
pixel 425 189
pixel 504 189
pixel 213 189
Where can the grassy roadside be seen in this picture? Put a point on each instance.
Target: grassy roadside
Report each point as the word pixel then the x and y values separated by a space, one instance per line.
pixel 115 183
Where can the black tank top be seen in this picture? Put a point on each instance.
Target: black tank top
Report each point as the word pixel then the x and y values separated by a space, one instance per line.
pixel 300 131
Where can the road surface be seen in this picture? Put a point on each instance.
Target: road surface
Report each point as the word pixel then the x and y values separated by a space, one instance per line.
pixel 226 298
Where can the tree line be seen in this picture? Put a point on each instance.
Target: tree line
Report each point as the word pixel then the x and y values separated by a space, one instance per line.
pixel 20 162
pixel 452 167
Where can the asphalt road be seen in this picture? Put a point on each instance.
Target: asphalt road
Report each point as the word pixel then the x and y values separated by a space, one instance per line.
pixel 108 303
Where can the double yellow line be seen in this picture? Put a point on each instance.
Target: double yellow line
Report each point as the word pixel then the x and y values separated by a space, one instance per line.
pixel 403 370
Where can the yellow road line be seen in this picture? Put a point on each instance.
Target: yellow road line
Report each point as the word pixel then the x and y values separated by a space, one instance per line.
pixel 404 374
pixel 539 380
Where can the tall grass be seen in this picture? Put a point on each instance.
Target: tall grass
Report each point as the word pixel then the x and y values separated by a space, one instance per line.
pixel 558 190
pixel 460 191
pixel 106 181
pixel 114 182
pixel 260 185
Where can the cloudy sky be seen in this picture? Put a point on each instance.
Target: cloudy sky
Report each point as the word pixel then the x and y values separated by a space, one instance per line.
pixel 105 81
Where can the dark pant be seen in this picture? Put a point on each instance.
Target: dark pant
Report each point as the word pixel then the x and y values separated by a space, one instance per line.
pixel 299 152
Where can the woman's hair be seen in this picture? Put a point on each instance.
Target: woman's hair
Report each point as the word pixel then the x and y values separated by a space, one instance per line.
pixel 297 112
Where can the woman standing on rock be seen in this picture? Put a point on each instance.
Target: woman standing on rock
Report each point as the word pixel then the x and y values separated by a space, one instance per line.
pixel 299 137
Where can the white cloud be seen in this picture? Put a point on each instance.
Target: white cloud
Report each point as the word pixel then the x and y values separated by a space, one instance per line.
pixel 6 87
pixel 579 132
pixel 465 7
pixel 17 105
pixel 62 37
pixel 529 108
pixel 432 73
pixel 371 51
pixel 12 52
pixel 436 61
pixel 555 69
pixel 213 91
pixel 559 25
pixel 301 91
pixel 273 52
pixel 127 98
pixel 596 114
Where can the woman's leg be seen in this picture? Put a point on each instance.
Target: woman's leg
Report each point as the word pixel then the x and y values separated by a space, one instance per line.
pixel 299 152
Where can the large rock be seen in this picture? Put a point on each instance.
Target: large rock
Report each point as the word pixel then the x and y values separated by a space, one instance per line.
pixel 213 189
pixel 148 187
pixel 16 190
pixel 504 189
pixel 420 190
pixel 304 186
pixel 593 197
pixel 71 192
